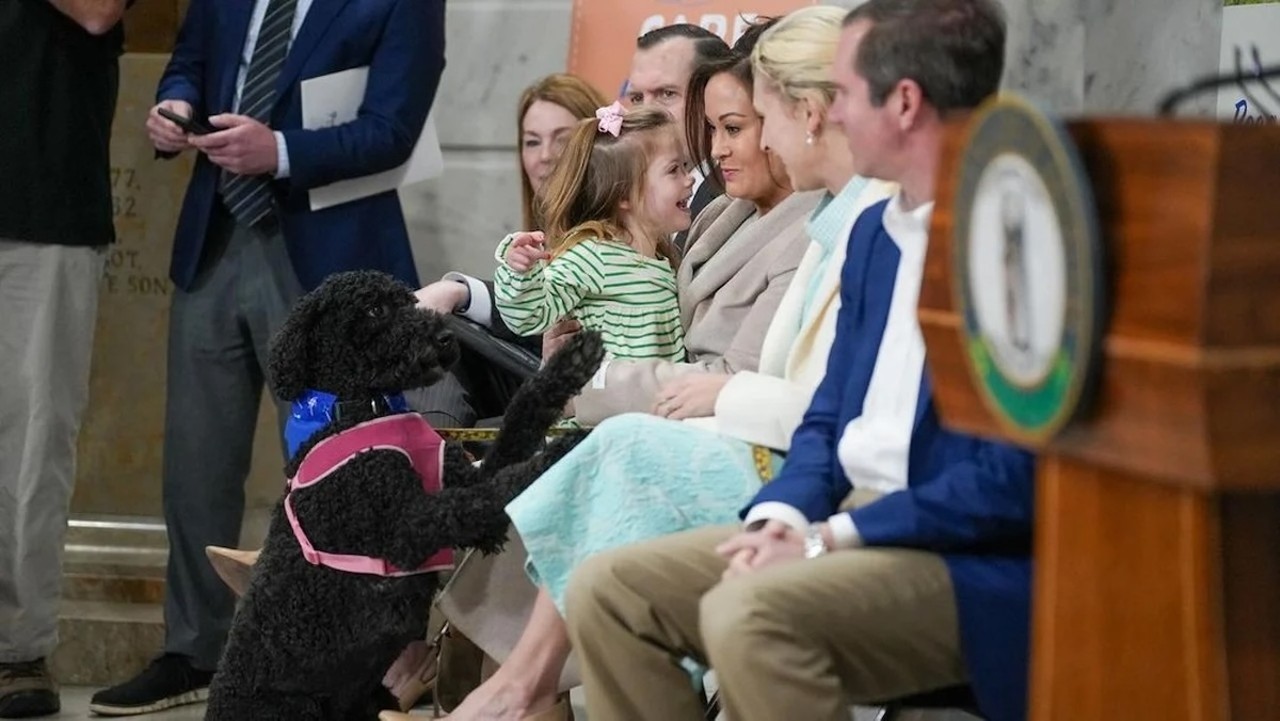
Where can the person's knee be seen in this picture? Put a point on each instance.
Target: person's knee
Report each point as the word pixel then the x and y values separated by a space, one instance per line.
pixel 591 586
pixel 733 616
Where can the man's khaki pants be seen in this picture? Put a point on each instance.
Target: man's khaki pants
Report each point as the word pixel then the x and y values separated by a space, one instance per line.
pixel 795 642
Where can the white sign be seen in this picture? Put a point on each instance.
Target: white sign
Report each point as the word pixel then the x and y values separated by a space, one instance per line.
pixel 1250 42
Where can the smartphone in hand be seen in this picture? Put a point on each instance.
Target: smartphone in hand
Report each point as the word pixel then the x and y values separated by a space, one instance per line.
pixel 191 126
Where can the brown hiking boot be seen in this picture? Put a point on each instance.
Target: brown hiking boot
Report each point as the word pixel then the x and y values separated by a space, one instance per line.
pixel 27 690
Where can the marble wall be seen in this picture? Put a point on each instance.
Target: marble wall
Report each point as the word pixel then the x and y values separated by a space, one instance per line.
pixel 1109 57
pixel 1076 56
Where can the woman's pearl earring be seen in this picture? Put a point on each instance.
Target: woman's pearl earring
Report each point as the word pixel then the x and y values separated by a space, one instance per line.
pixel 808 138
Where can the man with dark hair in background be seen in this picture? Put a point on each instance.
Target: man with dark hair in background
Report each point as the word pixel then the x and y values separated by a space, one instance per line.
pixel 57 99
pixel 665 59
pixel 825 597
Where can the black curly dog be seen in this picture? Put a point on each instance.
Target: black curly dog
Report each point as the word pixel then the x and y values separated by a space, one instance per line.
pixel 311 643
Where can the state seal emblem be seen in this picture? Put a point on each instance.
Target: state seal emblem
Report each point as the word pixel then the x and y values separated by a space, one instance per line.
pixel 1028 262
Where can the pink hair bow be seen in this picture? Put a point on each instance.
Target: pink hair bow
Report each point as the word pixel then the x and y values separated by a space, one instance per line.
pixel 611 118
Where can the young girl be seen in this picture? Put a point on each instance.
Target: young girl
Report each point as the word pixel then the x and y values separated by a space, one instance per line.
pixel 618 193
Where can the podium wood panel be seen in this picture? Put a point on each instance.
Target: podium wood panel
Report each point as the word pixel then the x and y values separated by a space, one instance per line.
pixel 1152 602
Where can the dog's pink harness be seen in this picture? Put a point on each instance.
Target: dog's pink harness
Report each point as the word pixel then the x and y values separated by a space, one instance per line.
pixel 406 433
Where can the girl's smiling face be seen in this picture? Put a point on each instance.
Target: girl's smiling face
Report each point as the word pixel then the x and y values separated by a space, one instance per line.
pixel 668 187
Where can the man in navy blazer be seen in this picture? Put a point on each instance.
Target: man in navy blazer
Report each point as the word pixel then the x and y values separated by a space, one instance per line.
pixel 891 556
pixel 248 244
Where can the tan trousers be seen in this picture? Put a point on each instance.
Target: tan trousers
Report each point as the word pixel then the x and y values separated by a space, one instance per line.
pixel 800 641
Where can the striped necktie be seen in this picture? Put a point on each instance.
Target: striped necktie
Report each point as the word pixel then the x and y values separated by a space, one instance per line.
pixel 248 197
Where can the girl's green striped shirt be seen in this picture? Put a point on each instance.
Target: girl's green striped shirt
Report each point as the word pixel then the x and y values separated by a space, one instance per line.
pixel 629 298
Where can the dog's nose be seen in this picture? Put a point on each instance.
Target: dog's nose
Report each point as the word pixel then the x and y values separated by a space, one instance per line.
pixel 445 338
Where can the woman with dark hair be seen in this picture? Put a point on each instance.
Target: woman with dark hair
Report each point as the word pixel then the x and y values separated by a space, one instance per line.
pixel 741 252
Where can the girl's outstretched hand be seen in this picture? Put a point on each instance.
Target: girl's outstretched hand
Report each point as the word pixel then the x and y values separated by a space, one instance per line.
pixel 525 251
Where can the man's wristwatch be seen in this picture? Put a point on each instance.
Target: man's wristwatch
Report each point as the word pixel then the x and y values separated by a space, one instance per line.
pixel 814 544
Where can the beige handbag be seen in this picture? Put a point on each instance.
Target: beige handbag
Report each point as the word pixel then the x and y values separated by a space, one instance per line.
pixel 489 600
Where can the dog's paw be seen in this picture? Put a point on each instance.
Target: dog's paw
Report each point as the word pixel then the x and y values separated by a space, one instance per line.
pixel 578 360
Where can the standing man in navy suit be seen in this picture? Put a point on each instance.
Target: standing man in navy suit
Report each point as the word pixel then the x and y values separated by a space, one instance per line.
pixel 248 245
pixel 925 583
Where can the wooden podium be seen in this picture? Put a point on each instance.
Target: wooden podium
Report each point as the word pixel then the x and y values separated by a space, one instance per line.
pixel 1157 578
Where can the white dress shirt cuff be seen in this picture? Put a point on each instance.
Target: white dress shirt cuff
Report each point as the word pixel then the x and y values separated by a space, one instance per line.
pixel 843 531
pixel 480 309
pixel 282 156
pixel 777 511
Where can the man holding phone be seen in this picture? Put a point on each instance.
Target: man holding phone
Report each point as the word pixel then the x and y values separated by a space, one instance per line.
pixel 248 244
pixel 57 98
pixel 190 126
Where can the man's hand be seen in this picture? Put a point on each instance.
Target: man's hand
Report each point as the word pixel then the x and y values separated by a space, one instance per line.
pixel 244 146
pixel 525 250
pixel 750 551
pixel 443 296
pixel 557 335
pixel 165 135
pixel 692 395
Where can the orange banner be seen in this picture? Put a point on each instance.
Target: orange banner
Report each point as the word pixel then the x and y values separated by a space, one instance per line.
pixel 604 32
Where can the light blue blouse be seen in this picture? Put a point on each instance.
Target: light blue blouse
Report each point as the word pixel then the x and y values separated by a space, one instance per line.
pixel 825 224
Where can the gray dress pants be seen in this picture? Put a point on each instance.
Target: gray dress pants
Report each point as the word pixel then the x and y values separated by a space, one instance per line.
pixel 219 334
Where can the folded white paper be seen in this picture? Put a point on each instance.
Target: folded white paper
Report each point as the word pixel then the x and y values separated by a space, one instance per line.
pixel 335 99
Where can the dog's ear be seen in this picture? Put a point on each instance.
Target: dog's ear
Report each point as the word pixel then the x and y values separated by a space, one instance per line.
pixel 288 365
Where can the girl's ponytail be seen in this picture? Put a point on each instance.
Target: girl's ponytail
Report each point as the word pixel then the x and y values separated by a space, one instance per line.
pixel 567 186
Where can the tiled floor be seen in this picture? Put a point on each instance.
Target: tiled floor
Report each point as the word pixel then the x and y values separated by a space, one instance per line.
pixel 75 707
